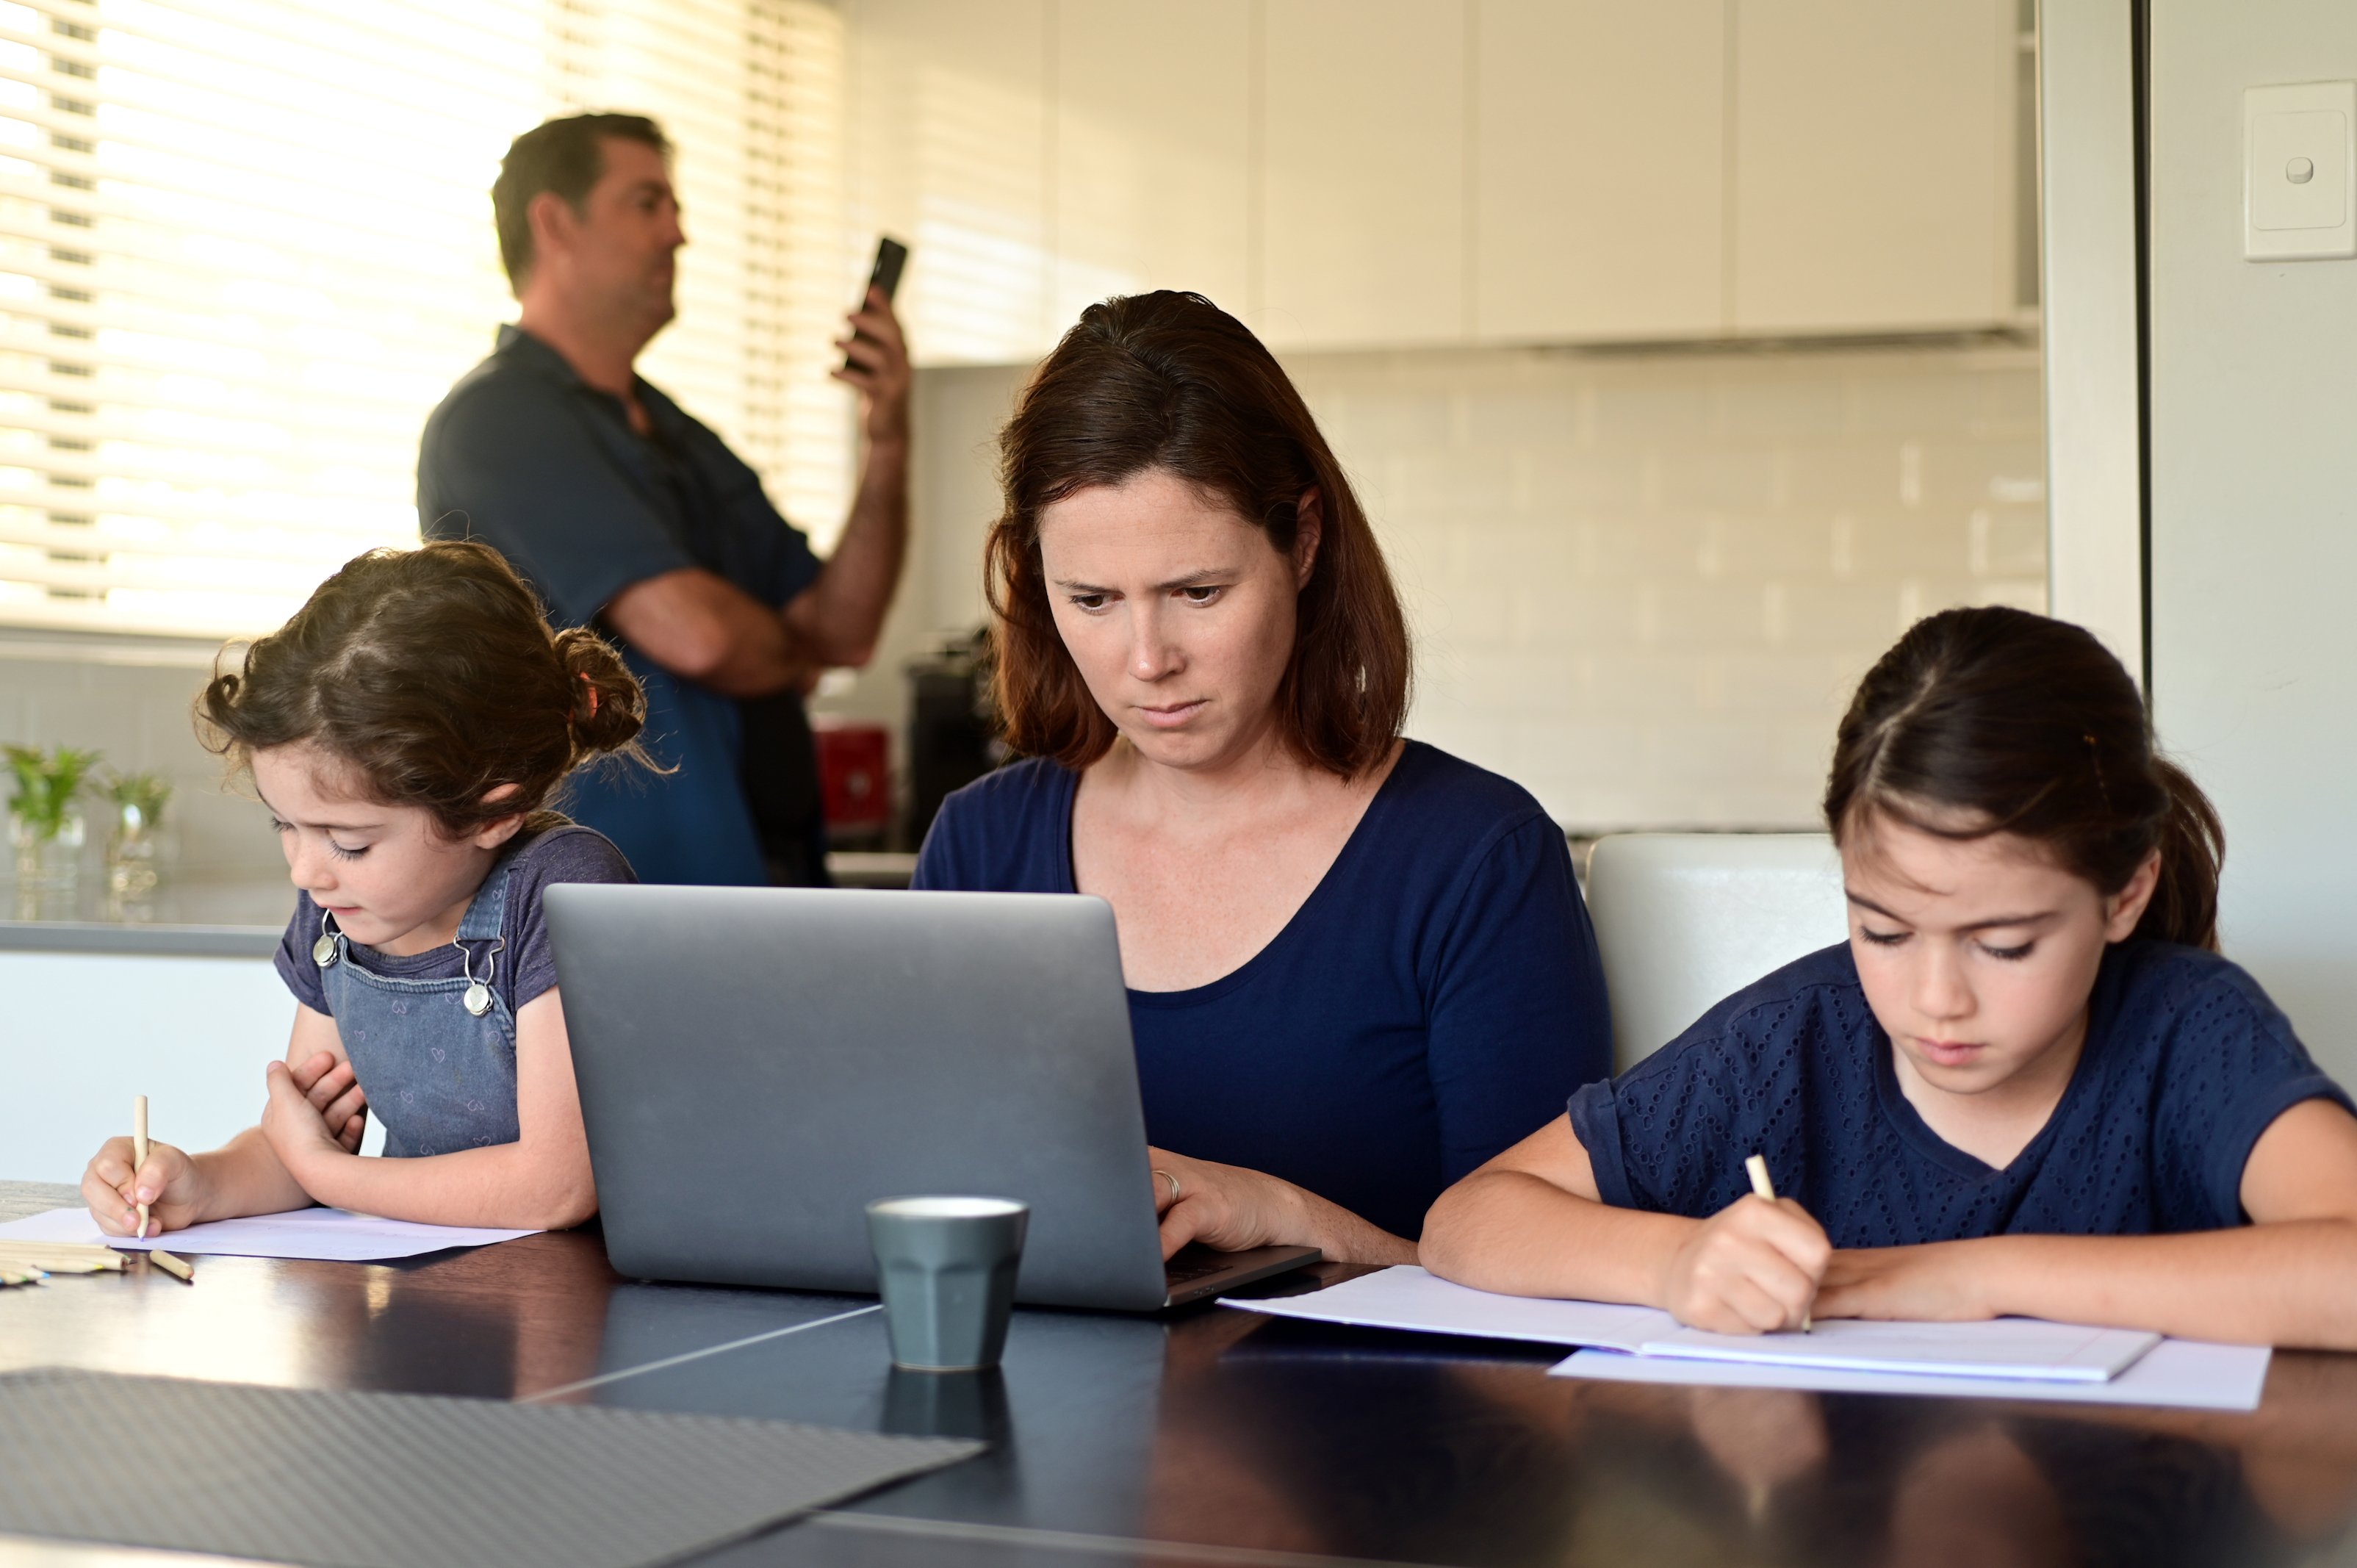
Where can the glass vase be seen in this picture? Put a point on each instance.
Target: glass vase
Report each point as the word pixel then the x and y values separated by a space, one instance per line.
pixel 134 855
pixel 49 861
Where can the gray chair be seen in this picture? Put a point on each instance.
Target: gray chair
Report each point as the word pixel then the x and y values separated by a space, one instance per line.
pixel 1685 920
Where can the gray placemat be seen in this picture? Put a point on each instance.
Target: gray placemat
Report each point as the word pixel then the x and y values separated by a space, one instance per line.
pixel 372 1480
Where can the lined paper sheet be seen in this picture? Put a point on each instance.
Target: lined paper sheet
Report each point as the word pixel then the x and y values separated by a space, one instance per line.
pixel 1637 1344
pixel 2187 1374
pixel 324 1235
pixel 2004 1348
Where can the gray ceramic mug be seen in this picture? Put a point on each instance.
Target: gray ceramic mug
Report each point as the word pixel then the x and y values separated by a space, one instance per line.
pixel 945 1267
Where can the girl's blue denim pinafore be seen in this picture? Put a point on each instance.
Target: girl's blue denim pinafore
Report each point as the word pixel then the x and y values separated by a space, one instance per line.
pixel 440 1078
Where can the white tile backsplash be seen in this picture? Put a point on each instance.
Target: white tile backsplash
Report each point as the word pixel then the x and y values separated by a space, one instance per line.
pixel 139 716
pixel 1645 585
pixel 1642 586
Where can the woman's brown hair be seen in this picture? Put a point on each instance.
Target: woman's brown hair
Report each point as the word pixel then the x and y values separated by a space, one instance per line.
pixel 1169 381
pixel 432 674
pixel 1999 721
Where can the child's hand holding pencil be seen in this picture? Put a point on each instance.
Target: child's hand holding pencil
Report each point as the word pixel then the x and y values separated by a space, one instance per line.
pixel 167 1176
pixel 1752 1268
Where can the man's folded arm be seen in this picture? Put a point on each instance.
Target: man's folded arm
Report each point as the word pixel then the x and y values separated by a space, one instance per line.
pixel 699 624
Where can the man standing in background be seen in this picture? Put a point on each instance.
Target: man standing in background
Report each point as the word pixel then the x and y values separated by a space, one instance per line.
pixel 627 514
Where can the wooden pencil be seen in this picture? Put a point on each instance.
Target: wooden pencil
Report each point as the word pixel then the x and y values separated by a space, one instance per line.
pixel 57 1266
pixel 179 1268
pixel 1757 1168
pixel 139 1151
pixel 59 1257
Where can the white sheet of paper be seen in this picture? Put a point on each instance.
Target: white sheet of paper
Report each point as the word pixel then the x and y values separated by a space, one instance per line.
pixel 2186 1373
pixel 2005 1348
pixel 324 1235
pixel 2201 1376
pixel 1406 1297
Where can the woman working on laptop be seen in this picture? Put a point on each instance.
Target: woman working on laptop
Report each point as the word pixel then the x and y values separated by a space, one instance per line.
pixel 1357 967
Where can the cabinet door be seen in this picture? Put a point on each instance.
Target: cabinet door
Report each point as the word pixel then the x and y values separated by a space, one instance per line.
pixel 949 151
pixel 1873 151
pixel 1599 199
pixel 1153 177
pixel 1363 189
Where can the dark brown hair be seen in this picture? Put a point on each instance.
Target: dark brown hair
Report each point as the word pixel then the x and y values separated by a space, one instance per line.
pixel 566 155
pixel 1169 381
pixel 2018 724
pixel 432 674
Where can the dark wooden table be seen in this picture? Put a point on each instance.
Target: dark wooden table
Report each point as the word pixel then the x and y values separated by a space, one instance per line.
pixel 1218 1437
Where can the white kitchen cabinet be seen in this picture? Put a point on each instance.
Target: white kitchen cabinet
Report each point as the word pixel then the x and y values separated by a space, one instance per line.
pixel 1152 142
pixel 1598 201
pixel 1873 164
pixel 949 150
pixel 1370 173
pixel 1363 190
pixel 83 1032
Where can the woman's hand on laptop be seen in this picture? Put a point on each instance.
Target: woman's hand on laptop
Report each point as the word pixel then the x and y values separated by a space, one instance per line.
pixel 1231 1209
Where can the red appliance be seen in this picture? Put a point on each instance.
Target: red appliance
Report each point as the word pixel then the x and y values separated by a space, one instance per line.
pixel 854 772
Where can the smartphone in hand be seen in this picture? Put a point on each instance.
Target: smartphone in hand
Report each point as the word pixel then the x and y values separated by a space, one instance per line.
pixel 891 257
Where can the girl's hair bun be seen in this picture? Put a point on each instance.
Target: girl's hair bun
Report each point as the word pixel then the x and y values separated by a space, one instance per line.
pixel 608 707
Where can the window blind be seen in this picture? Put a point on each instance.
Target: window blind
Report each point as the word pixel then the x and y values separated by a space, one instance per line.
pixel 245 246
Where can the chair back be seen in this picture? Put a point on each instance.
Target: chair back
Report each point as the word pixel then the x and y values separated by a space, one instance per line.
pixel 1687 920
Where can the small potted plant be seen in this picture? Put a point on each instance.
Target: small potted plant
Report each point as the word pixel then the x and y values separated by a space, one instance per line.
pixel 135 832
pixel 45 819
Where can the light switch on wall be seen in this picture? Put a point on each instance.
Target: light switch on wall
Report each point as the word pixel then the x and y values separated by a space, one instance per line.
pixel 2299 171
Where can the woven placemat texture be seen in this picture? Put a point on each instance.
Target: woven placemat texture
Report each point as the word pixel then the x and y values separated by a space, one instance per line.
pixel 370 1480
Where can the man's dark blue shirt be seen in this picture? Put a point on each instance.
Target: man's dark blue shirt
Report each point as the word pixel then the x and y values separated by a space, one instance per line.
pixel 526 456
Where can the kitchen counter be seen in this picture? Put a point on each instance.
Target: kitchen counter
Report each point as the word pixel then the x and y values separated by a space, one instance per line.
pixel 243 917
pixel 196 918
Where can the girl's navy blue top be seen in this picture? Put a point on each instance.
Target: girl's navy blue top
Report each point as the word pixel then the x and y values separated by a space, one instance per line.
pixel 2186 1064
pixel 1431 1002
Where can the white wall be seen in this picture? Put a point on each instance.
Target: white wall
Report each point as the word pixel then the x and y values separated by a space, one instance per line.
pixel 2253 500
pixel 2094 477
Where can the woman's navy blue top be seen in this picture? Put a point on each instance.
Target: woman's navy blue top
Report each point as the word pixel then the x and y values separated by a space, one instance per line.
pixel 2186 1063
pixel 1431 1002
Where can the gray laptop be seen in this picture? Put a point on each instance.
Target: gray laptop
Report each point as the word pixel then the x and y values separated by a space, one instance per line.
pixel 756 1064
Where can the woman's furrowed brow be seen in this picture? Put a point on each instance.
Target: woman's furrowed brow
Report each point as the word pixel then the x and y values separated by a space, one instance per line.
pixel 1193 579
